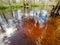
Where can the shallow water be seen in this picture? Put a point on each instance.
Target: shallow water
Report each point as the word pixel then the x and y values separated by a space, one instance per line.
pixel 32 26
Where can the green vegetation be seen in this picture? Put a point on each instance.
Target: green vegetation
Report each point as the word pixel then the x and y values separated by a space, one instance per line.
pixel 34 5
pixel 7 6
pixel 16 6
pixel 3 6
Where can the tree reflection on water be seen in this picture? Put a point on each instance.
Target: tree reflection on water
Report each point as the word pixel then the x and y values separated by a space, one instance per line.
pixel 34 28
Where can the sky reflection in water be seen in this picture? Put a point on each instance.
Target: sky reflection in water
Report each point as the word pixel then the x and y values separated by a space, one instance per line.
pixel 10 28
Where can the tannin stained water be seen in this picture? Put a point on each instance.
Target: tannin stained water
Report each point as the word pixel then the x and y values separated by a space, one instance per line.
pixel 29 28
pixel 30 34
